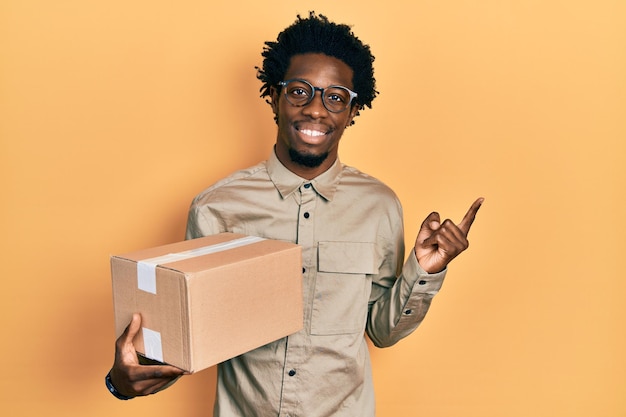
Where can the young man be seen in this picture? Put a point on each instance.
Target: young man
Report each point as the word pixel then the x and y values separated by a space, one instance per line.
pixel 317 77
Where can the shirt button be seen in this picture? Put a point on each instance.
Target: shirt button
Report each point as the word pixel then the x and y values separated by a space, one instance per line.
pixel 292 372
pixel 306 215
pixel 422 282
pixel 307 185
pixel 407 312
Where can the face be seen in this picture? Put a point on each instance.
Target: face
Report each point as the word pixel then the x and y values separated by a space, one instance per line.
pixel 308 136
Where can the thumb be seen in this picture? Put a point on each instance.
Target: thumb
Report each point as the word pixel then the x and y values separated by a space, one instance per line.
pixel 132 329
pixel 125 353
pixel 432 222
pixel 428 227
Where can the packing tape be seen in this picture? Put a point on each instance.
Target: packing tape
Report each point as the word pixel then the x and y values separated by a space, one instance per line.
pixel 146 269
pixel 152 344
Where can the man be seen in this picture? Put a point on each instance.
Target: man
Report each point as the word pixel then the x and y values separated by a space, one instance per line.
pixel 317 77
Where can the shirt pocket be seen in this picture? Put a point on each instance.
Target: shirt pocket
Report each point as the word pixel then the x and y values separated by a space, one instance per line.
pixel 342 287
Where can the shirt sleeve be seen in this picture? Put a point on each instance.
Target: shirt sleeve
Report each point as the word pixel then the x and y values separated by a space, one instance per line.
pixel 398 304
pixel 200 223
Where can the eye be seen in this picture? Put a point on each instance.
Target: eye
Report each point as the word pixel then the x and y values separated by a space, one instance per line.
pixel 336 97
pixel 299 91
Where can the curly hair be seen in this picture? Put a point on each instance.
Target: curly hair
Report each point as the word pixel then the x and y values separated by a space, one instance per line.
pixel 317 34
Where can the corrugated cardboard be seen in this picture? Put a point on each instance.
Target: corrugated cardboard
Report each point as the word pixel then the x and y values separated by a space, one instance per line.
pixel 205 309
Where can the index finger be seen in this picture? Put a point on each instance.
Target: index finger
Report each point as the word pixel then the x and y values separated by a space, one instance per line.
pixel 467 221
pixel 157 372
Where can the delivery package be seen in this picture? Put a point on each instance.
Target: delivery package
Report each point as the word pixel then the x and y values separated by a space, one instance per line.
pixel 206 300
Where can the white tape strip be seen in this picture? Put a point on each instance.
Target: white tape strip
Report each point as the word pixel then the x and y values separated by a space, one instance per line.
pixel 152 344
pixel 146 269
pixel 146 277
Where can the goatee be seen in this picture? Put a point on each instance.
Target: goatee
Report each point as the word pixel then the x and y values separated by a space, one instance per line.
pixel 307 160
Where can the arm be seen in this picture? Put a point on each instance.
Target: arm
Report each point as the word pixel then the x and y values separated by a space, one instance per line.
pixel 128 378
pixel 400 305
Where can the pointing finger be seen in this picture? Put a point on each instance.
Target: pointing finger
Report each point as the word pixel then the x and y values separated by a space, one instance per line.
pixel 467 221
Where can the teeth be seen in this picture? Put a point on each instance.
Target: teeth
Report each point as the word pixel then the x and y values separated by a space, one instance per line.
pixel 312 132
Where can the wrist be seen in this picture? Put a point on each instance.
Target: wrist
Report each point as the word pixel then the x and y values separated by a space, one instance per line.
pixel 113 390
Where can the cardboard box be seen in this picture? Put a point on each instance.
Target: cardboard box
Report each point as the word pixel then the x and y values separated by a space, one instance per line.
pixel 206 300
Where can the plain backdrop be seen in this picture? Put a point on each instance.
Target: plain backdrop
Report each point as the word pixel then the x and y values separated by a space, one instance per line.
pixel 114 114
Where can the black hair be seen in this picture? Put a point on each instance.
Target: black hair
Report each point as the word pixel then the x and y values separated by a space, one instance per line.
pixel 317 34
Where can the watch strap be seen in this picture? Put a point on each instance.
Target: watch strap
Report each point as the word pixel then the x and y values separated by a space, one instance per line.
pixel 113 390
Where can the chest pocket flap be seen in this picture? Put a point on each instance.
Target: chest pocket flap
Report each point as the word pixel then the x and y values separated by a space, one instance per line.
pixel 347 257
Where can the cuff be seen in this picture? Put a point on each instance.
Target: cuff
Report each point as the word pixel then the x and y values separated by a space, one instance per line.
pixel 422 281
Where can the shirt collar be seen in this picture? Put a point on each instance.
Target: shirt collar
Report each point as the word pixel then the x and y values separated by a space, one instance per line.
pixel 286 182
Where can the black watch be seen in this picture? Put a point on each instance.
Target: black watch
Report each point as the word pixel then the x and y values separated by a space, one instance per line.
pixel 113 390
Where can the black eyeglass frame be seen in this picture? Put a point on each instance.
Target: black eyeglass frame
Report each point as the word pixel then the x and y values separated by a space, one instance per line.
pixel 352 94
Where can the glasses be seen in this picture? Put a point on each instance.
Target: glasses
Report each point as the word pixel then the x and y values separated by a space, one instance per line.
pixel 335 98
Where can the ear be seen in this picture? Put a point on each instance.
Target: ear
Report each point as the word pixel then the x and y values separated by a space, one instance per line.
pixel 354 110
pixel 273 100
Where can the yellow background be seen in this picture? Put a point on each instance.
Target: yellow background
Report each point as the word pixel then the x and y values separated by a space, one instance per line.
pixel 114 114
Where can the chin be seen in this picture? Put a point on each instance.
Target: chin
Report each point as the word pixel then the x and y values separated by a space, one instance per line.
pixel 306 159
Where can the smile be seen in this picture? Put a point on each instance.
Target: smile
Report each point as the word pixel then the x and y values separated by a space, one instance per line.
pixel 311 132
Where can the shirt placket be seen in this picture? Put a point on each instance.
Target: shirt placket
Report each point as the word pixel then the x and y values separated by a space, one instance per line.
pixel 292 386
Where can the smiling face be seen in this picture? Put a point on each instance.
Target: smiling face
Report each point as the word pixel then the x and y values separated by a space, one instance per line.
pixel 308 136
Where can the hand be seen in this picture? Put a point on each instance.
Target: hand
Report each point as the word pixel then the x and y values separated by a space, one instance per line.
pixel 128 376
pixel 438 243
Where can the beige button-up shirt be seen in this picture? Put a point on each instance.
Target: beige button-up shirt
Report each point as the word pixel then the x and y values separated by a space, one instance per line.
pixel 350 228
